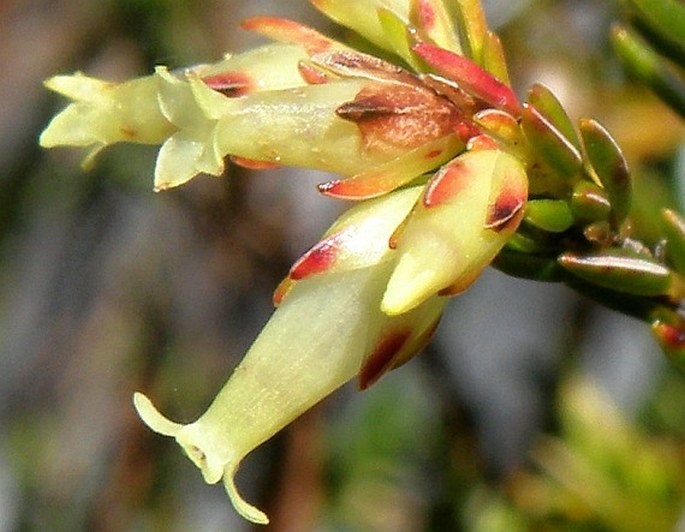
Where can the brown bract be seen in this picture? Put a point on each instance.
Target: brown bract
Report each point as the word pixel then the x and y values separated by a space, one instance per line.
pixel 393 116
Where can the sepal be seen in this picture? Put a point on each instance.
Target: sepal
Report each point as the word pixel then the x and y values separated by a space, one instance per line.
pixel 394 173
pixel 361 16
pixel 589 202
pixel 290 31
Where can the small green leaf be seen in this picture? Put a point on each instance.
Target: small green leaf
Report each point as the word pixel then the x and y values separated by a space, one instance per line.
pixel 675 233
pixel 528 266
pixel 473 27
pixel 589 202
pixel 549 106
pixel 619 270
pixel 665 17
pixel 649 67
pixel 610 167
pixel 397 35
pixel 525 243
pixel 549 215
pixel 494 60
pixel 551 145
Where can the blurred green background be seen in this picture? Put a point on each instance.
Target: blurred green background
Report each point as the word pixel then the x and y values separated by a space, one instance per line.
pixel 533 409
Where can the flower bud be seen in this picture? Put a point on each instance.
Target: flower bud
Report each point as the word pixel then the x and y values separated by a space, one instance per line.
pixel 467 213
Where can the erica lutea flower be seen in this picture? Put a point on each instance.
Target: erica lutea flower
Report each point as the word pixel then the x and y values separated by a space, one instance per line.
pixel 430 156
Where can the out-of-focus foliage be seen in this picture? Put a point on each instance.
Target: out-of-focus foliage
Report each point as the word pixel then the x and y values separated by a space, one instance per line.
pixel 601 471
pixel 107 288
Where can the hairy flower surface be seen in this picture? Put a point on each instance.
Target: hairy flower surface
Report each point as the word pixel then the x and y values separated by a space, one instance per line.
pixel 432 156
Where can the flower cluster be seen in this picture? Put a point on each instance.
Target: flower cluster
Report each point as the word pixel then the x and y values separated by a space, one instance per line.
pixel 436 153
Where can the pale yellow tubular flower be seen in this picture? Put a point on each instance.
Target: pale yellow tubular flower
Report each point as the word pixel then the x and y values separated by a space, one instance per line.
pixel 294 127
pixel 327 330
pixel 368 296
pixel 105 113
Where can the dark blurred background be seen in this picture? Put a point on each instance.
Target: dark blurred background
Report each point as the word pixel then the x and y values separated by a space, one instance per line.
pixel 533 409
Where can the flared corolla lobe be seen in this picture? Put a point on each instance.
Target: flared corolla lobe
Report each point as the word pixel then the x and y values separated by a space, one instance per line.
pixel 105 113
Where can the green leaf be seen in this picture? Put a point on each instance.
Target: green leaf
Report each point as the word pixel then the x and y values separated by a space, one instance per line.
pixel 473 27
pixel 589 202
pixel 610 167
pixel 619 270
pixel 549 215
pixel 494 60
pixel 649 67
pixel 550 145
pixel 665 17
pixel 521 242
pixel 528 266
pixel 397 35
pixel 549 106
pixel 675 233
